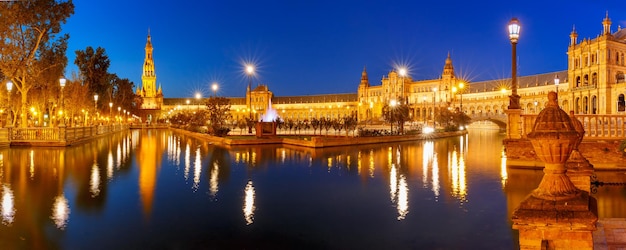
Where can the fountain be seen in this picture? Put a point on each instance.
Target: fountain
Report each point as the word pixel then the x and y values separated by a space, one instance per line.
pixel 270 115
pixel 267 125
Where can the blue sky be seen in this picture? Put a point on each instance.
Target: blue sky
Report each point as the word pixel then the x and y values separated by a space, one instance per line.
pixel 321 47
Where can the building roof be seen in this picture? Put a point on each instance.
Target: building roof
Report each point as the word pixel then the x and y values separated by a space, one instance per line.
pixel 620 35
pixel 522 81
pixel 350 97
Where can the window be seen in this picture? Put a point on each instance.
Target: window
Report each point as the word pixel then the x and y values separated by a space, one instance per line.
pixel 594 78
pixel 578 81
pixel 586 80
pixel 621 105
pixel 620 77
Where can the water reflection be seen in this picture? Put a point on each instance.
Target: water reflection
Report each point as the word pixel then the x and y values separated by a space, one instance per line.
pixel 503 169
pixel 49 195
pixel 94 181
pixel 8 205
pixel 60 211
pixel 248 203
pixel 197 170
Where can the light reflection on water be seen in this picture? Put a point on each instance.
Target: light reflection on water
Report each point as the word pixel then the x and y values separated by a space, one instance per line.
pixel 446 193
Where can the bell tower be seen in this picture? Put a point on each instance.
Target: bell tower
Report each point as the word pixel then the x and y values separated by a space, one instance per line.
pixel 148 78
pixel 151 96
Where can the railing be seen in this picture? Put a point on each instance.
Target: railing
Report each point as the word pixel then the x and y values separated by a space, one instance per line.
pixel 597 127
pixel 55 136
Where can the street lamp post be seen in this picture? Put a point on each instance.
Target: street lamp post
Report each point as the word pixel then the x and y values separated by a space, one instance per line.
pixel 95 105
pixel 110 111
pixel 62 82
pixel 392 104
pixel 514 29
pixel 514 111
pixel 434 94
pixel 198 96
pixel 118 113
pixel 556 84
pixel 249 72
pixel 461 86
pixel 10 118
pixel 214 87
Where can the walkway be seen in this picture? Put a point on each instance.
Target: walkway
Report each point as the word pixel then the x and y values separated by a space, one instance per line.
pixel 610 235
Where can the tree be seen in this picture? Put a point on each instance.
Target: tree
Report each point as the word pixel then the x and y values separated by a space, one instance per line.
pixel 219 113
pixel 123 94
pixel 397 114
pixel 29 32
pixel 94 66
pixel 315 123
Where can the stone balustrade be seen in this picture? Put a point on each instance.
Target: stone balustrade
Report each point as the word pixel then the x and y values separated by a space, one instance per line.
pixel 597 127
pixel 56 136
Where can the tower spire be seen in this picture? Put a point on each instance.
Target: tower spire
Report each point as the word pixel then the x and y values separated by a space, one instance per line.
pixel 364 79
pixel 573 36
pixel 606 23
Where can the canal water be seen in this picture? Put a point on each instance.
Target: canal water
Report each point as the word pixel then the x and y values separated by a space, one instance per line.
pixel 156 189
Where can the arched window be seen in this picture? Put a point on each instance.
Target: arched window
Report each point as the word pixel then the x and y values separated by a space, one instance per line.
pixel 621 105
pixel 577 105
pixel 594 104
pixel 585 105
pixel 578 81
pixel 586 80
pixel 594 78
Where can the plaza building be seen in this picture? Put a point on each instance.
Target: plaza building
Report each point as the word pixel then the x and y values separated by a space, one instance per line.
pixel 594 83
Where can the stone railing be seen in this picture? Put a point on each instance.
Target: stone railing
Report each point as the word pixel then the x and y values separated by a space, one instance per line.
pixel 56 136
pixel 597 127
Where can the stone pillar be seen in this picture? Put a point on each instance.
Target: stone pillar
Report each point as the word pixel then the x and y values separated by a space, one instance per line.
pixel 579 169
pixel 513 129
pixel 556 215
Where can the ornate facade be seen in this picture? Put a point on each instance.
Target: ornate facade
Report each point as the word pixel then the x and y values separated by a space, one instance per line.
pixel 594 83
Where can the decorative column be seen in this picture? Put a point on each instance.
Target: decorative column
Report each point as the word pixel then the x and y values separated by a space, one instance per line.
pixel 556 215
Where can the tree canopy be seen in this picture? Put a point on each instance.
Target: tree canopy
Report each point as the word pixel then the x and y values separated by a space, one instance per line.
pixel 32 50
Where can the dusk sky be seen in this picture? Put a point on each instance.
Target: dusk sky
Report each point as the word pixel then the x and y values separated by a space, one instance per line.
pixel 321 47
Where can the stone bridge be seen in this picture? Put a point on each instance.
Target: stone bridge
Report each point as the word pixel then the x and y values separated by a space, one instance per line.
pixel 498 119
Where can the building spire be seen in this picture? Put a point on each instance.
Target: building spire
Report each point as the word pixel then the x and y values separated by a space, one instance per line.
pixel 364 79
pixel 573 36
pixel 448 69
pixel 606 23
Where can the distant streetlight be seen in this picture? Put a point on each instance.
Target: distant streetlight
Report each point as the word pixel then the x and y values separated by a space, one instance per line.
pixel 556 83
pixel 514 29
pixel 403 72
pixel 118 112
pixel 249 72
pixel 214 87
pixel 434 94
pixel 393 104
pixel 10 118
pixel 95 105
pixel 198 96
pixel 62 82
pixel 110 110
pixel 461 86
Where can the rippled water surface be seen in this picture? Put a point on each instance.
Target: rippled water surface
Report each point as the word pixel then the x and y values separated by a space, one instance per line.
pixel 156 189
